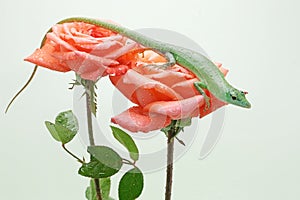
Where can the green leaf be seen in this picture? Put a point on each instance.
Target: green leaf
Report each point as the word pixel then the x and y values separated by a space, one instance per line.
pixel 68 120
pixel 51 128
pixel 105 162
pixel 127 141
pixel 91 194
pixel 131 185
pixel 65 127
pixel 105 187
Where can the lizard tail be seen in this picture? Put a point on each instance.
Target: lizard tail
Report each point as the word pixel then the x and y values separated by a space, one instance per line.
pixel 22 89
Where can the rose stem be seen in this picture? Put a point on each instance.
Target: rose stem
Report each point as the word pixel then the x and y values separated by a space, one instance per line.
pixel 89 86
pixel 170 156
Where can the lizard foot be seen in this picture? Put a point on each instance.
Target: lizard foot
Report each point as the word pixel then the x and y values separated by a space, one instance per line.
pixel 207 102
pixel 200 86
pixel 170 61
pixel 160 66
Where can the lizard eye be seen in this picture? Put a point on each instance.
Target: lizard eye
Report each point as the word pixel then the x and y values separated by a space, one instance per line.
pixel 233 97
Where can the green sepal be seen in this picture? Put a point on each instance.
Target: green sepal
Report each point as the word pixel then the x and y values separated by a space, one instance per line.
pixel 65 127
pixel 131 185
pixel 105 162
pixel 178 125
pixel 127 141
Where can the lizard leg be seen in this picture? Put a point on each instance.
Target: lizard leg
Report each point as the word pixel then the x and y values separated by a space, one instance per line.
pixel 170 61
pixel 200 86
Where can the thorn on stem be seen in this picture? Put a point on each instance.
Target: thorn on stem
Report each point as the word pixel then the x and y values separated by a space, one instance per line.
pixel 180 141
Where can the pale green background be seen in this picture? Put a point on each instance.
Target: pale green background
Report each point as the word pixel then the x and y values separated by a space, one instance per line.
pixel 258 154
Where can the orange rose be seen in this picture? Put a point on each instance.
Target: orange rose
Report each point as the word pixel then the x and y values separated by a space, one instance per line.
pixel 161 95
pixel 86 49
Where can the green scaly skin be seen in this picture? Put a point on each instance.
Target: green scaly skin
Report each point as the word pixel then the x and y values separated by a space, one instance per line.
pixel 205 70
pixel 209 74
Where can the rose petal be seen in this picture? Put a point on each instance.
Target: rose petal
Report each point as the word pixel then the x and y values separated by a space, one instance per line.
pixel 87 66
pixel 43 57
pixel 142 90
pixel 134 120
pixel 102 49
pixel 58 41
pixel 167 77
pixel 223 70
pixel 177 109
pixel 186 88
pixel 86 49
pixel 120 51
pixel 117 70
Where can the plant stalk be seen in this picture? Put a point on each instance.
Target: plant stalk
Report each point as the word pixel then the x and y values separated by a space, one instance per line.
pixel 89 88
pixel 89 113
pixel 73 155
pixel 170 160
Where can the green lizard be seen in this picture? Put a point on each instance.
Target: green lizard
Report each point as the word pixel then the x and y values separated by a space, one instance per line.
pixel 206 71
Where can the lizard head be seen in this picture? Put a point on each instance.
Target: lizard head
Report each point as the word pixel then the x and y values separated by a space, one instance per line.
pixel 237 97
